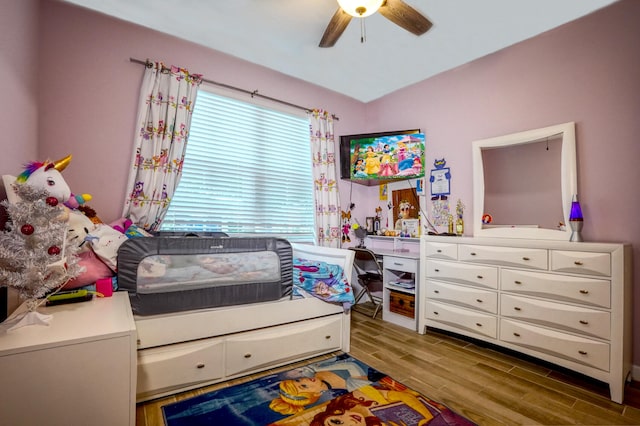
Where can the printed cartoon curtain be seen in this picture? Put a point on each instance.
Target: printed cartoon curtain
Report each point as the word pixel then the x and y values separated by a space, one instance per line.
pixel 327 201
pixel 167 97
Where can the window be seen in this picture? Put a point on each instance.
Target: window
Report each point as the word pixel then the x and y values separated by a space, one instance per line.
pixel 247 170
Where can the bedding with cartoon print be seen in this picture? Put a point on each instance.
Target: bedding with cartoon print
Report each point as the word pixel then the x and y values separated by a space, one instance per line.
pixel 323 280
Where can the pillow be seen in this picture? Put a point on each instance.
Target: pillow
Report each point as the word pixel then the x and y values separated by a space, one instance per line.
pixel 8 180
pixel 94 270
pixel 105 242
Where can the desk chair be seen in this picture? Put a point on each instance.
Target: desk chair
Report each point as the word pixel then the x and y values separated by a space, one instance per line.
pixel 369 276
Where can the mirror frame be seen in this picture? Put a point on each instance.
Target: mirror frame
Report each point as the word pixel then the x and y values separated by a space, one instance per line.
pixel 568 177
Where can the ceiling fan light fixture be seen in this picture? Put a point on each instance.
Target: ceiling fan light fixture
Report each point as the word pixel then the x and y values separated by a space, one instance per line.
pixel 360 8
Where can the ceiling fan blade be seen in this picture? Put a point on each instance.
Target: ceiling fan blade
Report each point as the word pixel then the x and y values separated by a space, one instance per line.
pixel 336 27
pixel 400 13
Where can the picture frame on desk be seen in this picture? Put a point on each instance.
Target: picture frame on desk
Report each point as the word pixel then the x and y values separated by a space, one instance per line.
pixel 370 225
pixel 410 228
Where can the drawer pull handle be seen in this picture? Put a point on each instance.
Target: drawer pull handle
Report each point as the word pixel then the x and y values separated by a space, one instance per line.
pixel 472 253
pixel 436 291
pixel 328 337
pixel 479 300
pixel 526 258
pixel 479 277
pixel 516 308
pixel 398 264
pixel 578 262
pixel 436 313
pixel 518 282
pixel 583 322
pixel 478 324
pixel 438 251
pixel 247 355
pixel 200 365
pixel 582 352
pixel 584 291
pixel 437 270
pixel 516 334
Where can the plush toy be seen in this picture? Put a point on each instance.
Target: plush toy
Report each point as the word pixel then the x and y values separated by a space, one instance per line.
pixel 48 175
pixel 79 234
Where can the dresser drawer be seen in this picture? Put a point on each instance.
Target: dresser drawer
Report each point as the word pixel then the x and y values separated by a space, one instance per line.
pixel 580 262
pixel 586 291
pixel 400 264
pixel 508 256
pixel 590 322
pixel 442 250
pixel 252 350
pixel 477 275
pixel 475 298
pixel 179 365
pixel 562 345
pixel 463 319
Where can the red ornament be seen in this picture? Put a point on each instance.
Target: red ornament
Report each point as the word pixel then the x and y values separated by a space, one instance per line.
pixel 52 201
pixel 27 229
pixel 53 250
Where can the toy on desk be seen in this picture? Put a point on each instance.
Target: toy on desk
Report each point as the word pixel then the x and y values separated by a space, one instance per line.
pixel 65 297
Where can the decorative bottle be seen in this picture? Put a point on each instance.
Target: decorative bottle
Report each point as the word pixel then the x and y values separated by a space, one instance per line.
pixel 459 222
pixel 459 226
pixel 450 230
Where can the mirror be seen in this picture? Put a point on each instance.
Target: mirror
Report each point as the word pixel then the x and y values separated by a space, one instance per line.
pixel 524 182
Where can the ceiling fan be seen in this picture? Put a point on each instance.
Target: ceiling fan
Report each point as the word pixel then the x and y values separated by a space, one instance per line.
pixel 397 11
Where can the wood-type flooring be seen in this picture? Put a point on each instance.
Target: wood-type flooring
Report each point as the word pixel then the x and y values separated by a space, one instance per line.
pixel 484 384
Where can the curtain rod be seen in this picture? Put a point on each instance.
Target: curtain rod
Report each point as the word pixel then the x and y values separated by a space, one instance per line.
pixel 253 93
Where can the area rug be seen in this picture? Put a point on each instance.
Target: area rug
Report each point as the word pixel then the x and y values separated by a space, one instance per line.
pixel 338 390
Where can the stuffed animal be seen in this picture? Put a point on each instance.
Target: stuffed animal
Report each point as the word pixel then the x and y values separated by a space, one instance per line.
pixel 48 175
pixel 79 234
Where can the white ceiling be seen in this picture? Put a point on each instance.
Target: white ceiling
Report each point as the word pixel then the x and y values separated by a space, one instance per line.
pixel 283 35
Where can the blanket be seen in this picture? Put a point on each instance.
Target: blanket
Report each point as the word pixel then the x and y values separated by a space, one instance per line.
pixel 322 280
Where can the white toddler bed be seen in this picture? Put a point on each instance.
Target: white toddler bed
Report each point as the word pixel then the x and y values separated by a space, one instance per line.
pixel 184 350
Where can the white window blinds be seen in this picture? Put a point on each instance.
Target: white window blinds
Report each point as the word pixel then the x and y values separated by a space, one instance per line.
pixel 247 170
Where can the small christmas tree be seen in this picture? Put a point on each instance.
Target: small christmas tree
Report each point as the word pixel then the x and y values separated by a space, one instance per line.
pixel 34 256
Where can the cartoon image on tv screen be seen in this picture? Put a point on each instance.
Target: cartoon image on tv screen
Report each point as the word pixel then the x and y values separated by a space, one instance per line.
pixel 387 157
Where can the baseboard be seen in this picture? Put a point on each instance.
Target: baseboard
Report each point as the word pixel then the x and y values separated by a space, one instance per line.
pixel 635 373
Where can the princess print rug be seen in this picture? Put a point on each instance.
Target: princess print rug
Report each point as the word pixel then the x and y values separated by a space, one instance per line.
pixel 339 390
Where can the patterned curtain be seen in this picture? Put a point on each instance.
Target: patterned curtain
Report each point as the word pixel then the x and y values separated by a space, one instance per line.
pixel 167 97
pixel 327 202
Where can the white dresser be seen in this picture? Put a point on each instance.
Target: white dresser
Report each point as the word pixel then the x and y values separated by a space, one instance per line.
pixel 566 303
pixel 79 370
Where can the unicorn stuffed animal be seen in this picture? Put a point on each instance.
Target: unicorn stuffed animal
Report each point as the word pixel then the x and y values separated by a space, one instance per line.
pixel 48 175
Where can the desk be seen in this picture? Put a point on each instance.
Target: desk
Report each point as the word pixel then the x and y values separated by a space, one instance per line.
pixel 400 269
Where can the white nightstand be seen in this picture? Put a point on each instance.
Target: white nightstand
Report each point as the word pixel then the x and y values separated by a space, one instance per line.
pixel 79 370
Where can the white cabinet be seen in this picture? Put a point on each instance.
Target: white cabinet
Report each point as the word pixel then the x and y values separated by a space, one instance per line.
pixel 79 370
pixel 400 275
pixel 187 350
pixel 563 302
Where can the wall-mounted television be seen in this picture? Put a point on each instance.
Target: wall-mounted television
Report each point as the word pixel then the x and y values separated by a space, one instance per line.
pixel 375 158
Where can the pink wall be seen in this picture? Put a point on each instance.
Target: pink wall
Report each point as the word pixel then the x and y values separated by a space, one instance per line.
pixel 85 101
pixel 89 93
pixel 586 71
pixel 18 83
